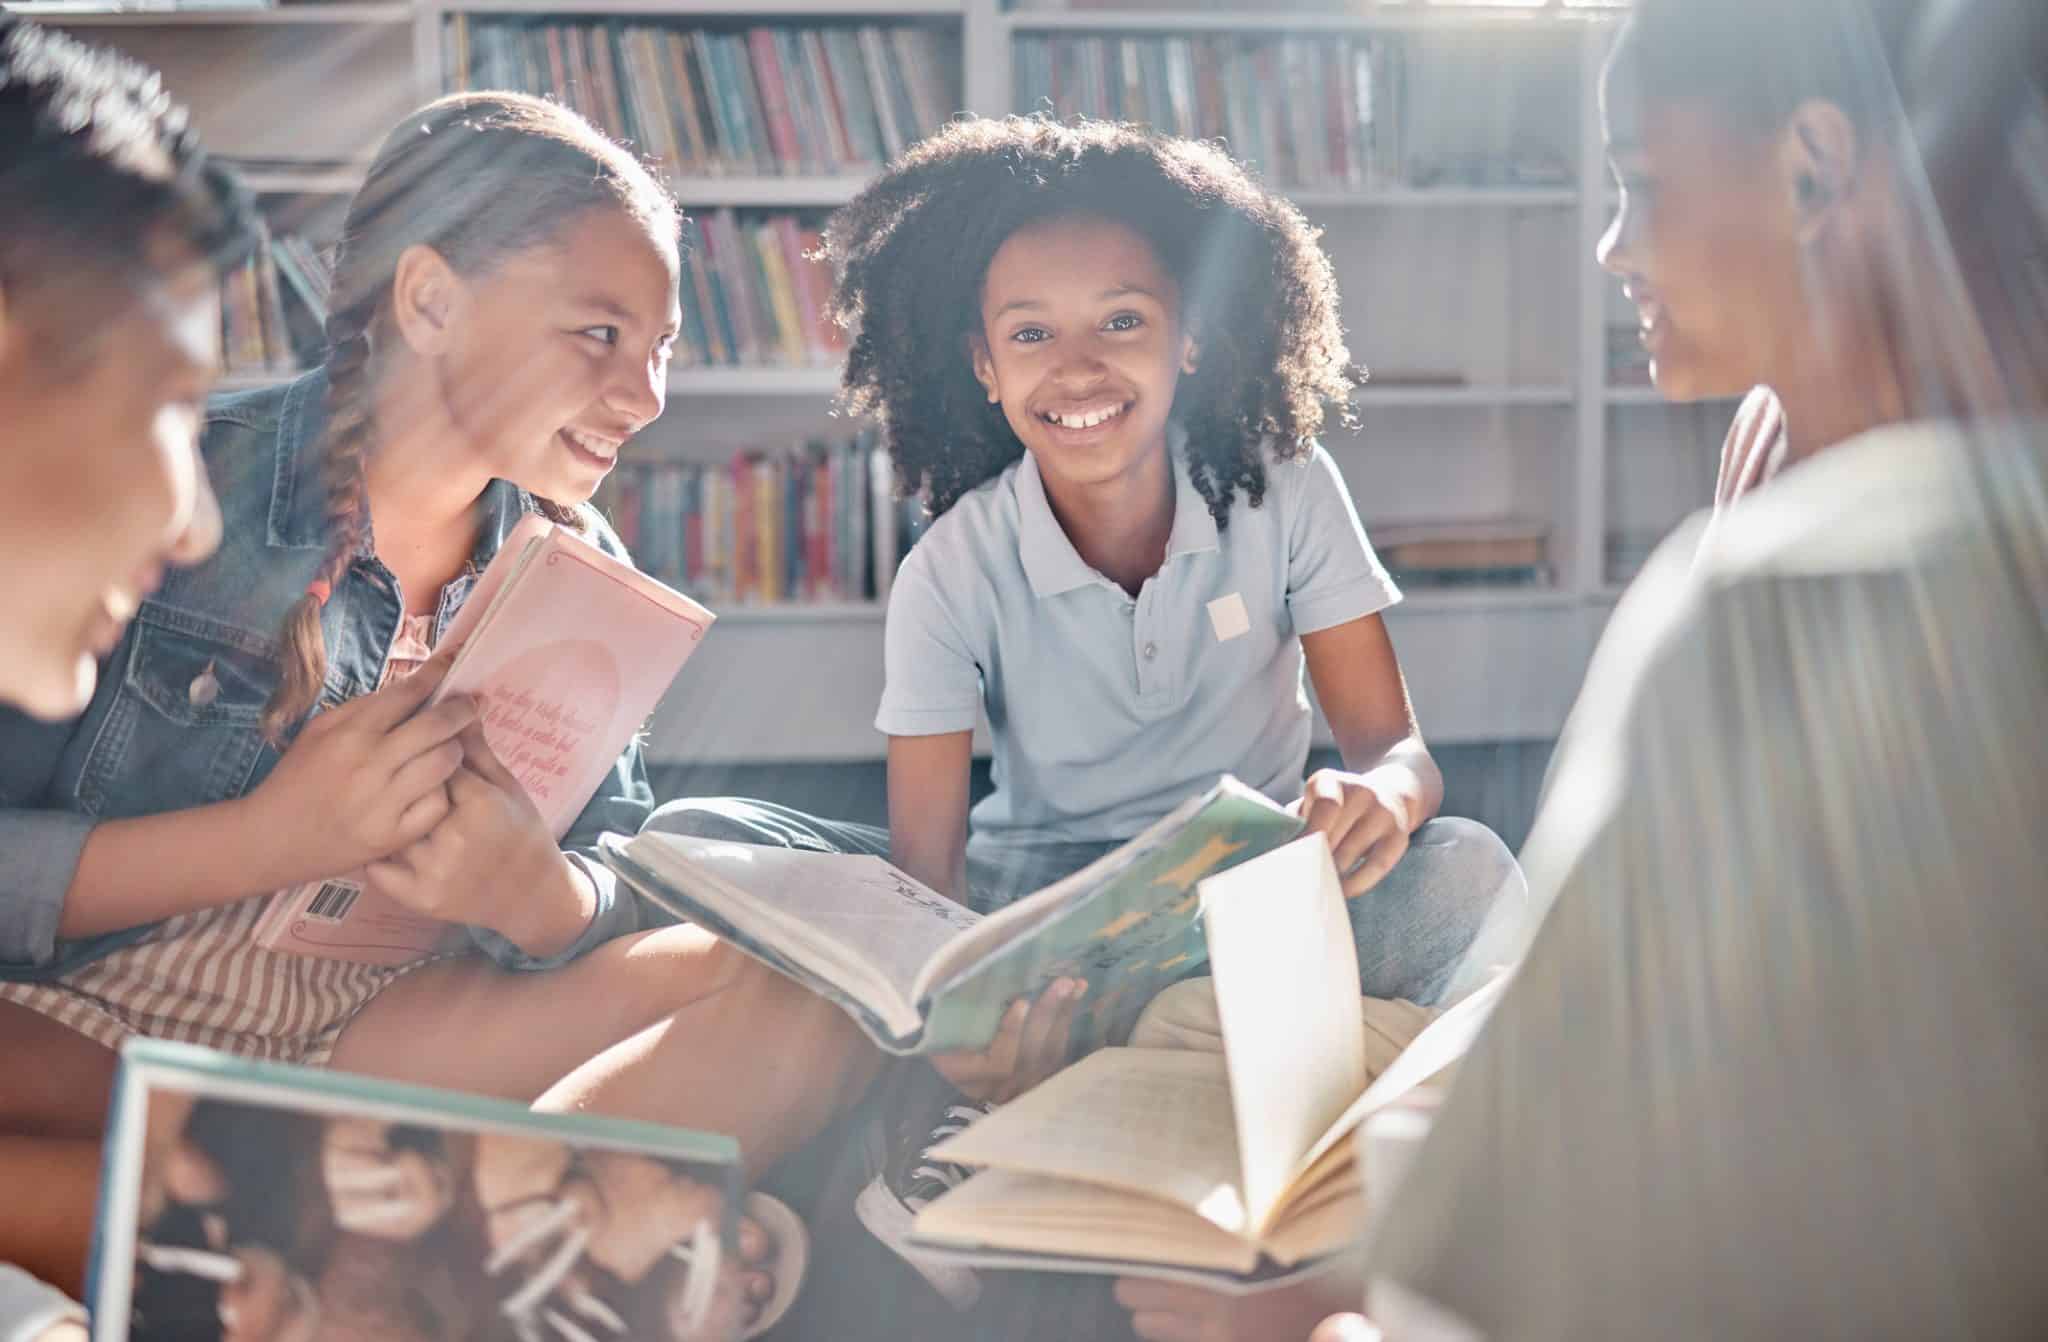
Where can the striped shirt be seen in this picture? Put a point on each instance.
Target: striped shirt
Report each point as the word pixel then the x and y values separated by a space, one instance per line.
pixel 1776 1064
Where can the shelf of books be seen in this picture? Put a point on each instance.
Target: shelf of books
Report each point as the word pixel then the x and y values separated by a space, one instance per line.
pixel 1449 151
pixel 104 15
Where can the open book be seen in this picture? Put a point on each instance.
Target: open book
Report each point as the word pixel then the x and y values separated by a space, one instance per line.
pixel 566 651
pixel 920 973
pixel 1229 1169
pixel 307 1203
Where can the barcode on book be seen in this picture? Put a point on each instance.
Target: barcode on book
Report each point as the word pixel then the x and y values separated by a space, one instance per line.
pixel 334 901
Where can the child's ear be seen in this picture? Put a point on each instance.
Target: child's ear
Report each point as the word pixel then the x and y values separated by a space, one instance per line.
pixel 984 367
pixel 425 293
pixel 1818 156
pixel 1190 354
pixel 6 326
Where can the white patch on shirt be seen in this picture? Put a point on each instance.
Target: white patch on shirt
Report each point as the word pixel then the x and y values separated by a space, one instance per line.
pixel 1229 618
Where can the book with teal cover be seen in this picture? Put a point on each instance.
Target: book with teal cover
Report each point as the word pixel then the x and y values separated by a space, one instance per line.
pixel 302 1202
pixel 922 974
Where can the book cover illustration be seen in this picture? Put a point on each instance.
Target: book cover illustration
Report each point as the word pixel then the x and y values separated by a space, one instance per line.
pixel 246 1201
pixel 1137 931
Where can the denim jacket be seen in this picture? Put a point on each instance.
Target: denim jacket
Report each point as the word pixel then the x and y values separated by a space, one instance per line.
pixel 146 744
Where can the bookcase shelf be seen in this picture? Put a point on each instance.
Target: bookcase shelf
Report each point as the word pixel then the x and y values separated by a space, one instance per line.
pixel 1372 398
pixel 813 382
pixel 799 612
pixel 789 193
pixel 1634 396
pixel 1498 281
pixel 336 15
pixel 1282 20
pixel 1439 197
pixel 711 9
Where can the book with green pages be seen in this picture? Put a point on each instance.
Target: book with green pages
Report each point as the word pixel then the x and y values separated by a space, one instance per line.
pixel 923 974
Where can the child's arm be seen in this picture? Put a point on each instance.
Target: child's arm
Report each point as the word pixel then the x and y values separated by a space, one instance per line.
pixel 360 781
pixel 928 809
pixel 928 778
pixel 1389 784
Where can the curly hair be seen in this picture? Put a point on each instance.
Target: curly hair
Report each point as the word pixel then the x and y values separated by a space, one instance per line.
pixel 1256 289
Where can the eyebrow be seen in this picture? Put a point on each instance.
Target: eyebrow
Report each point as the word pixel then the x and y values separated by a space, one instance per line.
pixel 1114 291
pixel 608 306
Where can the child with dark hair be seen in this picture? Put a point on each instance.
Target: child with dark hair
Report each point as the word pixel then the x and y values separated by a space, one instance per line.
pixel 1101 357
pixel 503 305
pixel 114 229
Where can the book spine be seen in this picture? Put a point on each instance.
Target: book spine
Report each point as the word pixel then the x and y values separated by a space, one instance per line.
pixel 768 77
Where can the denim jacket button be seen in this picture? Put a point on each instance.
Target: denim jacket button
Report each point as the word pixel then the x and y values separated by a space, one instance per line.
pixel 204 688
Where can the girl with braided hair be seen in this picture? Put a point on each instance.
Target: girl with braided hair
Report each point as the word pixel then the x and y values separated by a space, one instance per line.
pixel 504 303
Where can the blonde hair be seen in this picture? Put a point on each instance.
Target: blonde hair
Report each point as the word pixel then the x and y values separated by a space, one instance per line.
pixel 475 176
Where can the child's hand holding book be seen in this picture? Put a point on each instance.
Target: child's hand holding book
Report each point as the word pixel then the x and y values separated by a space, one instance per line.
pixel 490 862
pixel 361 781
pixel 1031 1045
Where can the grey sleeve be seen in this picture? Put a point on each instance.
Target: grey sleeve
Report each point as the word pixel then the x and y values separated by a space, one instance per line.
pixel 29 1306
pixel 40 841
pixel 1771 1064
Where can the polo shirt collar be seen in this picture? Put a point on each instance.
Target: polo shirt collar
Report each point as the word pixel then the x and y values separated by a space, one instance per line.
pixel 1052 564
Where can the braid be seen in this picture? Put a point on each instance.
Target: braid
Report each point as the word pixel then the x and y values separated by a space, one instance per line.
pixel 350 432
pixel 564 515
pixel 476 177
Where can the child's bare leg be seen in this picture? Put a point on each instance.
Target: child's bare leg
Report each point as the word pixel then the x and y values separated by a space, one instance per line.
pixel 672 1026
pixel 52 1185
pixel 53 1108
pixel 58 1081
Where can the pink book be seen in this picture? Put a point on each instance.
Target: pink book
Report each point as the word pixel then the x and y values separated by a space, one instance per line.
pixel 566 651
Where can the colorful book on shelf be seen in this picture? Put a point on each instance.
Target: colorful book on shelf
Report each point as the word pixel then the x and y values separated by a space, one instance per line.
pixel 1232 1170
pixel 922 974
pixel 303 1202
pixel 1329 131
pixel 565 650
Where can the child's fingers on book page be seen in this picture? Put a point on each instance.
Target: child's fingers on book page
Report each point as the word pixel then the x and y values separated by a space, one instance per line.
pixel 382 709
pixel 1380 860
pixel 479 756
pixel 1367 822
pixel 425 730
pixel 1048 1029
pixel 983 1074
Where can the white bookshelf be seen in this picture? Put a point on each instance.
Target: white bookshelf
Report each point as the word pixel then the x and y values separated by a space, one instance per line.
pixel 1498 279
pixel 303 15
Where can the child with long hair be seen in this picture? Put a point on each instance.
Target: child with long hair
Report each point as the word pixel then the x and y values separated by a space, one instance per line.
pixel 503 306
pixel 1102 358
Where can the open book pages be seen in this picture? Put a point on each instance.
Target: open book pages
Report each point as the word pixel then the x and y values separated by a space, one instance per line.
pixel 852 923
pixel 1295 1044
pixel 922 976
pixel 337 1206
pixel 1245 1156
pixel 566 651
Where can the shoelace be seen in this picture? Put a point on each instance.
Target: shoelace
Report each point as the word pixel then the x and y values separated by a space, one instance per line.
pixel 958 1118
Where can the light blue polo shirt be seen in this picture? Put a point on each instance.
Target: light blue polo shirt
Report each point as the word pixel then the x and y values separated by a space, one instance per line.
pixel 1107 712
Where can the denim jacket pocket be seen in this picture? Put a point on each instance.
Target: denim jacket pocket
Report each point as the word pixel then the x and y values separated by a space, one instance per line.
pixel 185 727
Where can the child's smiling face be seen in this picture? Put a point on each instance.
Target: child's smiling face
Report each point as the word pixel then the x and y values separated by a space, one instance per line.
pixel 562 352
pixel 1083 344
